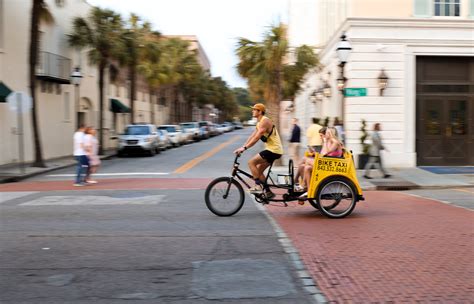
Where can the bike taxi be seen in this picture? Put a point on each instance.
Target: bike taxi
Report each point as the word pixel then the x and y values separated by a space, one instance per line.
pixel 334 189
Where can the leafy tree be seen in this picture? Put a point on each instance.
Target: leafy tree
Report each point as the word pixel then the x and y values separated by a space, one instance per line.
pixel 133 45
pixel 101 33
pixel 39 12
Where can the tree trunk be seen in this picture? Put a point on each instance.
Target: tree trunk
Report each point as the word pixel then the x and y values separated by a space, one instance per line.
pixel 132 75
pixel 152 105
pixel 33 59
pixel 102 66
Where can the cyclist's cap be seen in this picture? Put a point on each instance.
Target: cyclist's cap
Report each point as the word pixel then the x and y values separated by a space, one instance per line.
pixel 259 106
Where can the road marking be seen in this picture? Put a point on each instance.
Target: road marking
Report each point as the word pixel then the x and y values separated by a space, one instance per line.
pixel 93 200
pixel 6 196
pixel 113 174
pixel 208 154
pixel 463 190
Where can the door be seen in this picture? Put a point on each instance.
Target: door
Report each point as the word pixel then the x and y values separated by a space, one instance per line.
pixel 444 131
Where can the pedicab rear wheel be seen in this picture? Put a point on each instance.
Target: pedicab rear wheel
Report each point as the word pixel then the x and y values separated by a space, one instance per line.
pixel 336 197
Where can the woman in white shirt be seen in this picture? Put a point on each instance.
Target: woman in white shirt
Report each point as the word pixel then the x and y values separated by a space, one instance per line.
pixel 92 148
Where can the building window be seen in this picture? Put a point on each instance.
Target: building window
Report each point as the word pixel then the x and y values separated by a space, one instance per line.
pixel 58 89
pixel 67 107
pixel 449 8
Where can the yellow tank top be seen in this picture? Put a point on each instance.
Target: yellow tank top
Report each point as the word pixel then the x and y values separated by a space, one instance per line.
pixel 273 143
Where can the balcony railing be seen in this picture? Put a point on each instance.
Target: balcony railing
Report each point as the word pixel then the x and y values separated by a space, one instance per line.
pixel 53 67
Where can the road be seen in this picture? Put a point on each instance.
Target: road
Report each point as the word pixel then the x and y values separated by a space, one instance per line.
pixel 144 235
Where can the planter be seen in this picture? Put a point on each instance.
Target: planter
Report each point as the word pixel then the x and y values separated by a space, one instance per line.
pixel 362 161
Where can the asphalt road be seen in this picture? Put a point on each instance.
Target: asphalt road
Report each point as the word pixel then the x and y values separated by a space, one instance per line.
pixel 86 245
pixel 144 235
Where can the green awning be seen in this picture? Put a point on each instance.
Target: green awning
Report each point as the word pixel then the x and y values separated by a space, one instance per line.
pixel 4 92
pixel 118 107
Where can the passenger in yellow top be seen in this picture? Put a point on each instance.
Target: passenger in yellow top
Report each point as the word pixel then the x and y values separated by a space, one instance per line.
pixel 268 133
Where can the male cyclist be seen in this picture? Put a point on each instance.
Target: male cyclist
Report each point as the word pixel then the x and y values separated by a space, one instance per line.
pixel 267 132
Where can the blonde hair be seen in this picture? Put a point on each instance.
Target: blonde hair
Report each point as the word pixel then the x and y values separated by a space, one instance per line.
pixel 332 133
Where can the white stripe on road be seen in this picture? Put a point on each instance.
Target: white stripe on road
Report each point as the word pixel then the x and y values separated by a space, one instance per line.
pixel 113 174
pixel 93 200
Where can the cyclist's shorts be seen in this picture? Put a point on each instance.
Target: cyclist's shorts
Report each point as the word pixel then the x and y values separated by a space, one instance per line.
pixel 269 156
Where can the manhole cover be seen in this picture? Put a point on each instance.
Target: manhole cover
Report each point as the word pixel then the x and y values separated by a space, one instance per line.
pixel 241 278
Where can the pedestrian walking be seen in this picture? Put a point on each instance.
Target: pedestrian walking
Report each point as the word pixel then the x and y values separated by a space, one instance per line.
pixel 375 158
pixel 92 149
pixel 312 134
pixel 80 156
pixel 295 139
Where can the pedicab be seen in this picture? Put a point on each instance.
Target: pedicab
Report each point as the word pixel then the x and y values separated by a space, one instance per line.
pixel 333 190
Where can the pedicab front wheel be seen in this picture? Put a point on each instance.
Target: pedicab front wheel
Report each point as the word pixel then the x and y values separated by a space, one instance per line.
pixel 224 196
pixel 335 197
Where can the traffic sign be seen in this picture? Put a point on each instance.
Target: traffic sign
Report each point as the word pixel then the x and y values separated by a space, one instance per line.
pixel 19 102
pixel 355 92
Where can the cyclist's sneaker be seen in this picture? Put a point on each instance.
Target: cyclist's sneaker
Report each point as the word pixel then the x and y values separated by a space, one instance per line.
pixel 269 194
pixel 299 188
pixel 256 190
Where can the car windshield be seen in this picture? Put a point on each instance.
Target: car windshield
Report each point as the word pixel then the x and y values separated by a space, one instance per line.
pixel 169 129
pixel 188 125
pixel 202 124
pixel 137 130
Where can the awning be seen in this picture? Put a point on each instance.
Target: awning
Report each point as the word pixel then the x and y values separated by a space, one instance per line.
pixel 4 92
pixel 117 107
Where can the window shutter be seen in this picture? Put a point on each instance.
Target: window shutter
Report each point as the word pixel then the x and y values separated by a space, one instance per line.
pixel 423 8
pixel 471 9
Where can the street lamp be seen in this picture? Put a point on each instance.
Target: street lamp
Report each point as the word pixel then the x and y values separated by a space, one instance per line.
pixel 76 78
pixel 383 81
pixel 343 50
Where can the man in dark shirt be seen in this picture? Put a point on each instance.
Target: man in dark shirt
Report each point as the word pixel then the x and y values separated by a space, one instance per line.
pixel 295 139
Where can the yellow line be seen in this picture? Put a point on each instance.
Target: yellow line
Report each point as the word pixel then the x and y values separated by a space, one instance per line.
pixel 464 190
pixel 208 154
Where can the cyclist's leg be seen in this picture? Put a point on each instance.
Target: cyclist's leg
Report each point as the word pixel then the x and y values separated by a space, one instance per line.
pixel 257 166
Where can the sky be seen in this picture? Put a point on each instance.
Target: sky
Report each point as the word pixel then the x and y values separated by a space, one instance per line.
pixel 216 23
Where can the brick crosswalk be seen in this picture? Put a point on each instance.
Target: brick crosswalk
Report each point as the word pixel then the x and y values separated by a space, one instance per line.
pixel 394 247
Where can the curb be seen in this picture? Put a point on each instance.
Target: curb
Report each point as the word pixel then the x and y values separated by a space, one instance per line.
pixel 17 178
pixel 307 281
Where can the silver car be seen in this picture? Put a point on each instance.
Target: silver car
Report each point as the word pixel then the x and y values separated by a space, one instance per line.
pixel 139 138
pixel 175 135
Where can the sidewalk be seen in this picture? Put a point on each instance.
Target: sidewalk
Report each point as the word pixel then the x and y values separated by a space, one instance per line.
pixel 12 172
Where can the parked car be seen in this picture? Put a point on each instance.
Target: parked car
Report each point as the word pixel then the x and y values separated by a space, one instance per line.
pixel 221 128
pixel 237 125
pixel 165 140
pixel 176 136
pixel 229 126
pixel 139 138
pixel 193 129
pixel 205 129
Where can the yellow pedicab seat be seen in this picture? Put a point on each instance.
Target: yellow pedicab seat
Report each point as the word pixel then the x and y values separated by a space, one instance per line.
pixel 340 174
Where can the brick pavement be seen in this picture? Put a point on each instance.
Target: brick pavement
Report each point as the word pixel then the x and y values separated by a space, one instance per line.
pixel 394 247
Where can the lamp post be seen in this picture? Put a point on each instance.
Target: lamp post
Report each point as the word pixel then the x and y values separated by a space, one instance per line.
pixel 343 50
pixel 76 78
pixel 383 81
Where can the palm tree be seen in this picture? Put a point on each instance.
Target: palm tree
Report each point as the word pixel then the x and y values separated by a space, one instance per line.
pixel 263 65
pixel 101 33
pixel 133 45
pixel 39 12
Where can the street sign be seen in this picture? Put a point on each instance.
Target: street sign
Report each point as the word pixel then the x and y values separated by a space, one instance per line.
pixel 355 92
pixel 19 102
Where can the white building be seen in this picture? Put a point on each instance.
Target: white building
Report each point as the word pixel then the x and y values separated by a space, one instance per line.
pixel 426 49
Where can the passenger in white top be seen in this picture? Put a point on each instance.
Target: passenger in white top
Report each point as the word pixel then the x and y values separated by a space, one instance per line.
pixel 92 148
pixel 80 156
